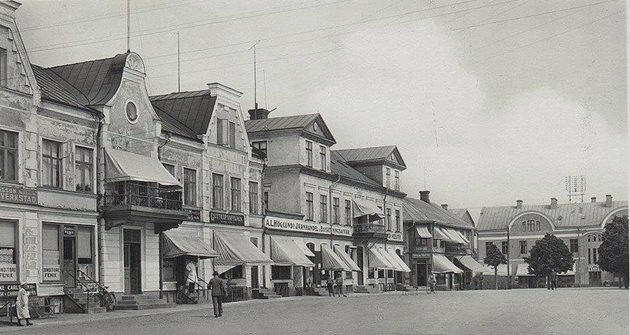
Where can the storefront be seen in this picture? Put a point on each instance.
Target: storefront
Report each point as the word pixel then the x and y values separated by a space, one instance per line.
pixel 447 274
pixel 472 269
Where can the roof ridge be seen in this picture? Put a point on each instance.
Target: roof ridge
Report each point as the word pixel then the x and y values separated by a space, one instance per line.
pixel 286 116
pixel 371 147
pixel 151 97
pixel 86 61
pixel 48 73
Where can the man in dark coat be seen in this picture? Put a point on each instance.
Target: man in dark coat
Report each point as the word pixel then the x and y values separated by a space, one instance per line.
pixel 217 290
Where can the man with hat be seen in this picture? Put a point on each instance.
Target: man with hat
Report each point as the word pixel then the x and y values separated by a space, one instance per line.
pixel 217 290
pixel 21 306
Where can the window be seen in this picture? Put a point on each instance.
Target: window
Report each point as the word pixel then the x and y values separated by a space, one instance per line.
pixel 589 256
pixel 380 210
pixel 573 244
pixel 253 197
pixel 266 201
pixel 280 272
pixel 51 164
pixel 8 155
pixel 335 210
pixel 260 145
pixel 323 208
pixel 388 175
pixel 524 226
pixel 397 220
pixel 523 245
pixel 488 244
pixel 537 225
pixel 232 135
pixel 396 180
pixel 83 169
pixel 51 256
pixel 190 187
pixel 170 168
pixel 309 153
pixel 217 191
pixel 8 251
pixel 594 255
pixel 221 131
pixel 3 67
pixel 348 212
pixel 504 247
pixel 84 245
pixel 236 194
pixel 309 206
pixel 132 112
pixel 322 157
pixel 388 219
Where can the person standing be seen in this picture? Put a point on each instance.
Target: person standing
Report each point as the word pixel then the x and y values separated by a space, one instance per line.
pixel 191 276
pixel 432 282
pixel 21 306
pixel 554 280
pixel 217 290
pixel 339 285
pixel 329 285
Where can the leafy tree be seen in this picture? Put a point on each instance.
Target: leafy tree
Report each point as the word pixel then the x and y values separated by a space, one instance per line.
pixel 494 258
pixel 547 255
pixel 613 252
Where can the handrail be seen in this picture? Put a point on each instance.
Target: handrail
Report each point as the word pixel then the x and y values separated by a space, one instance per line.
pixel 102 287
pixel 77 279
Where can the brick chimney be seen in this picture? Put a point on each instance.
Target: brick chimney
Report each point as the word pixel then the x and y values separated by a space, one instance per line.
pixel 593 199
pixel 445 206
pixel 554 203
pixel 258 113
pixel 608 200
pixel 424 196
pixel 519 204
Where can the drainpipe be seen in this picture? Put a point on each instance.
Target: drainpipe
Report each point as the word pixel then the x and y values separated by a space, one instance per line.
pixel 264 210
pixel 386 218
pixel 99 194
pixel 330 216
pixel 161 235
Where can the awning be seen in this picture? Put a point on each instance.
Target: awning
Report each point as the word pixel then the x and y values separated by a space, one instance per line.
pixel 178 244
pixel 378 261
pixel 363 207
pixel 423 232
pixel 346 258
pixel 224 268
pixel 521 270
pixel 330 260
pixel 125 166
pixel 285 252
pixel 237 249
pixel 471 263
pixel 304 248
pixel 462 236
pixel 397 260
pixel 501 270
pixel 454 235
pixel 441 264
pixel 442 235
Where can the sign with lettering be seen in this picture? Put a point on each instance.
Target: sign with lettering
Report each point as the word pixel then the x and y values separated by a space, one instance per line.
pixel 394 236
pixel 8 272
pixel 51 273
pixel 18 195
pixel 68 231
pixel 306 227
pixel 10 291
pixel 229 219
pixel 593 268
pixel 193 215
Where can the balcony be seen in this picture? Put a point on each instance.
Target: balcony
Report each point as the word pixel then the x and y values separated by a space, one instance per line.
pixel 369 231
pixel 139 203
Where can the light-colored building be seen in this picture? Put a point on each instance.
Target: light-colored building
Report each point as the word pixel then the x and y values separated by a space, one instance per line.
pixel 579 225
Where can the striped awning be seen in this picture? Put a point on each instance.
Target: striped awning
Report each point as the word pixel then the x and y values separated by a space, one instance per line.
pixel 285 252
pixel 441 264
pixel 399 261
pixel 423 232
pixel 330 260
pixel 346 258
pixel 378 261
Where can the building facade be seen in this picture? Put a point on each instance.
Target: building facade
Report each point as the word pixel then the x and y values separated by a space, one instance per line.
pixel 579 225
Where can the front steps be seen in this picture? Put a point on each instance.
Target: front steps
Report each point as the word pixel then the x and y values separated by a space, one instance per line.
pixel 263 293
pixel 139 301
pixel 76 301
pixel 366 289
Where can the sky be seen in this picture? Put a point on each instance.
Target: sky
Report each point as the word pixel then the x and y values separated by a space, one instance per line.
pixel 487 101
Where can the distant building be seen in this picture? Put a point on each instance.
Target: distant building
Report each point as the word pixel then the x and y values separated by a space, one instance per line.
pixel 579 225
pixel 464 214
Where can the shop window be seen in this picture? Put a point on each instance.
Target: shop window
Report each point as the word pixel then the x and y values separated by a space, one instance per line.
pixel 504 247
pixel 8 155
pixel 441 278
pixel 51 256
pixel 371 273
pixel 236 194
pixel 217 191
pixel 323 208
pixel 253 197
pixel 381 273
pixel 436 243
pixel 236 272
pixel 280 272
pixel 168 270
pixel 309 153
pixel 51 164
pixel 336 210
pixel 83 169
pixel 309 206
pixel 8 264
pixel 3 67
pixel 390 273
pixel 348 212
pixel 190 187
pixel 523 245
pixel 254 241
pixel 573 244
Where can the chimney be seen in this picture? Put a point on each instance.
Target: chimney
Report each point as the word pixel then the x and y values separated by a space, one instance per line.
pixel 608 200
pixel 258 113
pixel 519 204
pixel 593 199
pixel 424 196
pixel 445 206
pixel 554 203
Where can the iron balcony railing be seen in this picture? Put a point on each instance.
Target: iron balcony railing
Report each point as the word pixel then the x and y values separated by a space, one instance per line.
pixel 368 228
pixel 139 194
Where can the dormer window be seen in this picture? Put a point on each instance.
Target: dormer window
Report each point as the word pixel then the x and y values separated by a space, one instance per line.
pixel 322 157
pixel 132 112
pixel 309 153
pixel 388 176
pixel 396 180
pixel 3 67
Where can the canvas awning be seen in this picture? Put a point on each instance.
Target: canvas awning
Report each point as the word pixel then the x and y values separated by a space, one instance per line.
pixel 462 236
pixel 332 262
pixel 178 244
pixel 363 207
pixel 346 258
pixel 453 235
pixel 423 232
pixel 304 248
pixel 470 263
pixel 237 249
pixel 441 264
pixel 285 252
pixel 394 258
pixel 521 270
pixel 224 268
pixel 377 261
pixel 442 235
pixel 127 166
pixel 501 270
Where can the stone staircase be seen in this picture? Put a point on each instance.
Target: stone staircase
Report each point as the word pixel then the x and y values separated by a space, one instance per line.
pixel 141 301
pixel 76 301
pixel 264 293
pixel 366 289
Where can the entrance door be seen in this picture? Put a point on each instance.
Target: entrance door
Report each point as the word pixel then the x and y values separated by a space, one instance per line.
pixel 132 258
pixel 254 276
pixel 360 265
pixel 421 270
pixel 69 259
pixel 595 278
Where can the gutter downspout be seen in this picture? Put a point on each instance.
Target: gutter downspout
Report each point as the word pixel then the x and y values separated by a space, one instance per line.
pixel 386 219
pixel 99 194
pixel 264 210
pixel 330 201
pixel 161 235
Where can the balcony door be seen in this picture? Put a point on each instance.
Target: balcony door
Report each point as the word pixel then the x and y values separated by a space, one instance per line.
pixel 133 261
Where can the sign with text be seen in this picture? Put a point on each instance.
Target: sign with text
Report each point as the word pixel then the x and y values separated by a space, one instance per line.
pixel 8 272
pixel 51 273
pixel 395 236
pixel 18 195
pixel 306 227
pixel 229 219
pixel 10 291
pixel 193 215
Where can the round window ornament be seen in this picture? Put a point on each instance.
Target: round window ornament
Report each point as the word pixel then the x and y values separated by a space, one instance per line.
pixel 132 112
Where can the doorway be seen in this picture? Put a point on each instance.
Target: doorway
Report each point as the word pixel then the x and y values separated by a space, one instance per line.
pixel 360 265
pixel 595 278
pixel 69 257
pixel 421 270
pixel 254 276
pixel 132 260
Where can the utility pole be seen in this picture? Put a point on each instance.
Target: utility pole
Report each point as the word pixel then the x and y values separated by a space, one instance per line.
pixel 128 26
pixel 255 92
pixel 178 66
pixel 509 272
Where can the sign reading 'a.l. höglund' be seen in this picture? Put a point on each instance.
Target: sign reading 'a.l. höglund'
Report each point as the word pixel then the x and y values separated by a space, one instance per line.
pixel 306 227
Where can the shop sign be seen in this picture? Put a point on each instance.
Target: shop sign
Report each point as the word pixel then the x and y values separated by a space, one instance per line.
pixel 18 195
pixel 68 231
pixel 51 273
pixel 229 219
pixel 593 268
pixel 8 273
pixel 306 227
pixel 11 290
pixel 394 236
pixel 193 215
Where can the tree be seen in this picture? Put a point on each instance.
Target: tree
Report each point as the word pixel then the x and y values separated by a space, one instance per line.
pixel 494 258
pixel 613 252
pixel 547 255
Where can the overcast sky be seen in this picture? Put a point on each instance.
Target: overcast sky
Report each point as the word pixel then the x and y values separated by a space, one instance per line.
pixel 488 101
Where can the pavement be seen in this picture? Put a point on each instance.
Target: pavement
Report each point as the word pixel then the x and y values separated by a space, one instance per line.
pixel 519 311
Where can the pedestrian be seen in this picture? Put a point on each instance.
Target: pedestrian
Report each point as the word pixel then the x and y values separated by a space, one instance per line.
pixel 339 286
pixel 329 285
pixel 191 276
pixel 481 281
pixel 217 291
pixel 554 280
pixel 432 283
pixel 21 306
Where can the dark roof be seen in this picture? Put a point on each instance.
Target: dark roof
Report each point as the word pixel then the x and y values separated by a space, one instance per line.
pixel 288 122
pixel 341 168
pixel 462 213
pixel 418 210
pixel 54 88
pixel 192 110
pixel 370 154
pixel 171 125
pixel 565 215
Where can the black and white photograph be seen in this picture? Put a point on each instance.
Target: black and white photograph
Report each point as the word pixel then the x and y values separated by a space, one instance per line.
pixel 314 167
